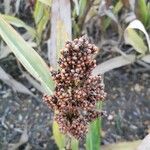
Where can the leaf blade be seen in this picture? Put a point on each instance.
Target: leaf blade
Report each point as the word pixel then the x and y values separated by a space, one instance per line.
pixel 17 86
pixel 19 23
pixel 132 38
pixel 74 143
pixel 93 136
pixel 47 2
pixel 26 55
pixel 58 135
pixel 136 24
pixel 113 63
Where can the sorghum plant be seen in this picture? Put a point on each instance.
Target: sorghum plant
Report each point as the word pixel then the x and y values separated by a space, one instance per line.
pixel 77 91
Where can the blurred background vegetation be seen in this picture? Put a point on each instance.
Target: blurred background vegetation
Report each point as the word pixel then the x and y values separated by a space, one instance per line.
pixel 120 29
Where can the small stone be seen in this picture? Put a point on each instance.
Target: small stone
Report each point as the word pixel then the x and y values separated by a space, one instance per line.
pixel 20 117
pixel 11 126
pixel 138 88
pixel 110 117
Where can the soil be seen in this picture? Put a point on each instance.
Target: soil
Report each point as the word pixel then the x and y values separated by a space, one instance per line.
pixel 127 106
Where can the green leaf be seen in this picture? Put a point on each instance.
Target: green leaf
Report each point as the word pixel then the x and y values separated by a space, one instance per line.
pixel 74 144
pixel 142 11
pixel 93 136
pixel 136 24
pixel 26 55
pixel 47 2
pixel 58 136
pixel 148 16
pixel 18 23
pixel 82 6
pixel 43 22
pixel 41 17
pixel 107 20
pixel 132 38
pixel 76 7
pixel 38 12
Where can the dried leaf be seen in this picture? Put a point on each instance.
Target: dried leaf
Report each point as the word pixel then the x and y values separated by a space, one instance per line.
pixel 112 14
pixel 7 6
pixel 132 4
pixel 122 146
pixel 145 145
pixel 126 3
pixel 33 82
pixel 136 24
pixel 17 4
pixel 132 38
pixel 23 139
pixel 60 32
pixel 146 58
pixel 60 29
pixel 113 63
pixel 17 86
pixel 4 51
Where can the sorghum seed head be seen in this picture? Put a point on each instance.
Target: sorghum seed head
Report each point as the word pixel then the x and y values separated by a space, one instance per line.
pixel 77 91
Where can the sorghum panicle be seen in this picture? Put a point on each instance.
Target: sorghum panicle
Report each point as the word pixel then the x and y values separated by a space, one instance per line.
pixel 77 91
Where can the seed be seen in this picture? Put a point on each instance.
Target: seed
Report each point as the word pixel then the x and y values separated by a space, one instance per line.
pixel 68 59
pixel 63 94
pixel 79 54
pixel 74 58
pixel 75 40
pixel 76 47
pixel 77 70
pixel 79 65
pixel 67 46
pixel 86 42
pixel 72 71
pixel 65 49
pixel 73 45
pixel 81 40
pixel 76 89
pixel 66 74
pixel 63 71
pixel 95 48
pixel 76 74
pixel 90 46
pixel 89 51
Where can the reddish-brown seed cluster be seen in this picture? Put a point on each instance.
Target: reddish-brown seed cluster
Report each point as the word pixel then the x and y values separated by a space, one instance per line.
pixel 77 91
